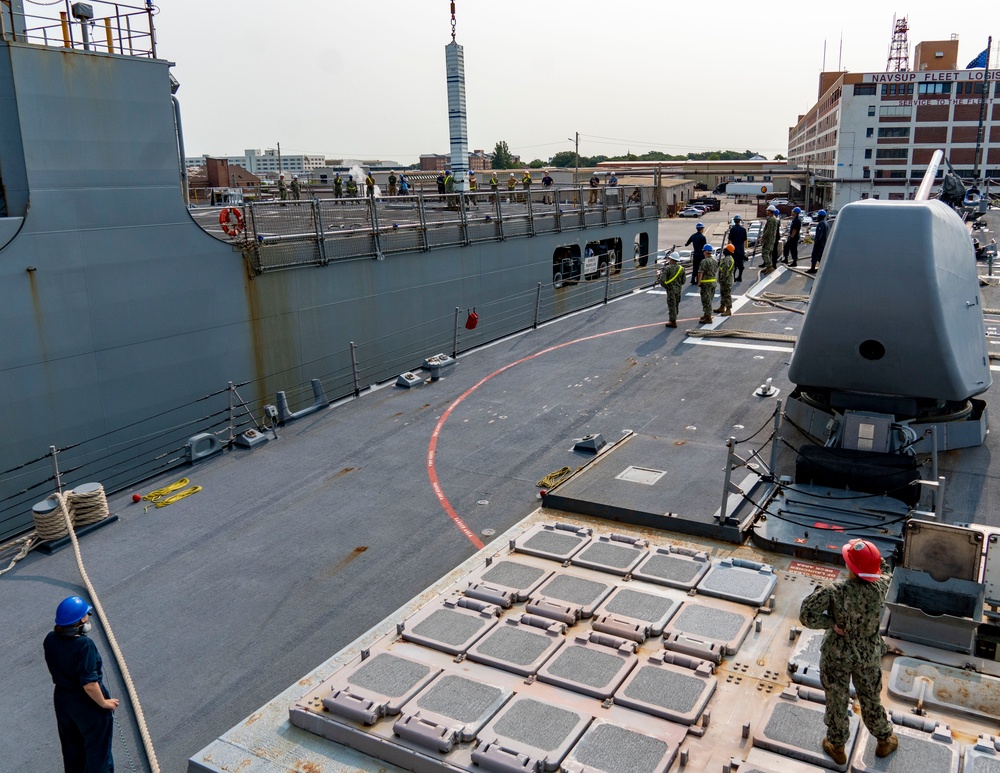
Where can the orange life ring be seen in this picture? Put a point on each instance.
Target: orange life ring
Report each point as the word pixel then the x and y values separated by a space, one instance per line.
pixel 231 220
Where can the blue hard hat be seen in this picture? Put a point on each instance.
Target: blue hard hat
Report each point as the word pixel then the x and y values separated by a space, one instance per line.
pixel 737 217
pixel 821 213
pixel 796 210
pixel 72 610
pixel 699 225
pixel 708 248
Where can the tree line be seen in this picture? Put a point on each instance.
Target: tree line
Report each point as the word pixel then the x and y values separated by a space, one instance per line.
pixel 504 159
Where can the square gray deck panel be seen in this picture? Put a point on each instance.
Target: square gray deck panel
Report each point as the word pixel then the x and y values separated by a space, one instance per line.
pixel 591 669
pixel 667 691
pixel 377 687
pixel 674 567
pixel 917 753
pixel 581 594
pixel 449 627
pixel 795 728
pixel 609 748
pixel 458 704
pixel 610 555
pixel 745 582
pixel 519 577
pixel 553 541
pixel 645 475
pixel 803 665
pixel 541 732
pixel 726 628
pixel 984 756
pixel 645 612
pixel 516 647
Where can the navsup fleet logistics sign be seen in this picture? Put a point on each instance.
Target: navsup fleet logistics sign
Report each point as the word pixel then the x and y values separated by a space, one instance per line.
pixel 930 88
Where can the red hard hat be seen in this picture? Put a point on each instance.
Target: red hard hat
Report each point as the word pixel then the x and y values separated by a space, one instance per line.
pixel 863 558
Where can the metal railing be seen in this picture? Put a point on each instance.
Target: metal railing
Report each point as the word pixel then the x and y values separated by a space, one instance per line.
pixel 114 28
pixel 289 233
pixel 152 446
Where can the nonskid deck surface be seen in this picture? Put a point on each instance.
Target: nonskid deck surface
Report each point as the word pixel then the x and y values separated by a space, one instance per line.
pixel 292 550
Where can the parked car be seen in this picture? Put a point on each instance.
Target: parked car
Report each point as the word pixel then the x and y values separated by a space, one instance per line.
pixel 690 212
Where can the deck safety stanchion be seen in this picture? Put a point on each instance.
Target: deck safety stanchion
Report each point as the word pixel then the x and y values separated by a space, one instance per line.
pixel 464 212
pixel 531 213
pixel 454 342
pixel 320 232
pixel 499 215
pixel 774 439
pixel 354 369
pixel 538 303
pixel 607 280
pixel 231 391
pixel 423 222
pixel 730 447
pixel 55 468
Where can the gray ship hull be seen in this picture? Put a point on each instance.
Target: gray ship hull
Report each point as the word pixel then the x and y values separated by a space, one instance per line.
pixel 128 320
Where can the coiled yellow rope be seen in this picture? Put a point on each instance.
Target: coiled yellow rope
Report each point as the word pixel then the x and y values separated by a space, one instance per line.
pixel 553 478
pixel 177 497
pixel 156 496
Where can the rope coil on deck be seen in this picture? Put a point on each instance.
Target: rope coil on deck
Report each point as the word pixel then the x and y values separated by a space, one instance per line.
pixel 750 334
pixel 553 478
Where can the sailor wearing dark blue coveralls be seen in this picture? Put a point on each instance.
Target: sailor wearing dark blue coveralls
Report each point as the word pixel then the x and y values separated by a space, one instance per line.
pixel 84 708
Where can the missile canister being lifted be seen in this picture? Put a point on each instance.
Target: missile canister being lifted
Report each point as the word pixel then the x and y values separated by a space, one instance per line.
pixel 895 318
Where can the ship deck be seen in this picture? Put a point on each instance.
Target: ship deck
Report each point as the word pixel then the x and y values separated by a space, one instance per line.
pixel 303 551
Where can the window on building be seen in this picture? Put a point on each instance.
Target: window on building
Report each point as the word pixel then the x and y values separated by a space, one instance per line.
pixel 871 109
pixel 896 196
pixel 867 173
pixel 750 178
pixel 897 174
pixel 885 89
pixel 894 131
pixel 870 132
pixel 868 152
pixel 864 195
pixel 864 89
pixel 934 88
pixel 895 111
pixel 767 178
pixel 892 153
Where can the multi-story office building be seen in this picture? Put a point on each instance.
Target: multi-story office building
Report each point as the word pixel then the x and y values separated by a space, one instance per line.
pixel 266 163
pixel 871 135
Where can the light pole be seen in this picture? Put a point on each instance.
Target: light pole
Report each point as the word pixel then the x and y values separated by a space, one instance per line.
pixel 576 173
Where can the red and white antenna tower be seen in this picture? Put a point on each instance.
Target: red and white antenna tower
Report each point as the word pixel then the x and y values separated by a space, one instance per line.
pixel 899 49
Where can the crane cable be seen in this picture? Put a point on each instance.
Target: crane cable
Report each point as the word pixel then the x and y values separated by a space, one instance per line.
pixel 140 718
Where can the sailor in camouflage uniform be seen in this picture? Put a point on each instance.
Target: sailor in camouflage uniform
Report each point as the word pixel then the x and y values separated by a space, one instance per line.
pixel 850 610
pixel 672 280
pixel 726 267
pixel 707 271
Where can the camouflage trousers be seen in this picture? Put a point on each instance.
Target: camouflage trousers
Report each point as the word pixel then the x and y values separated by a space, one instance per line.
pixel 674 299
pixel 707 293
pixel 726 291
pixel 835 675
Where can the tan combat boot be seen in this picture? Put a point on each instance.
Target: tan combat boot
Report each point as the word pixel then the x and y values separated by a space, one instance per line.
pixel 669 324
pixel 837 753
pixel 727 312
pixel 887 746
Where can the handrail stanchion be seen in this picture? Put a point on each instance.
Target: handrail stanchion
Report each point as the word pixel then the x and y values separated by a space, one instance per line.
pixel 538 304
pixel 454 341
pixel 320 231
pixel 423 222
pixel 354 369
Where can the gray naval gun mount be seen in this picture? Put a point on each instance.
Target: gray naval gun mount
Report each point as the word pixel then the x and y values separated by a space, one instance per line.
pixel 887 368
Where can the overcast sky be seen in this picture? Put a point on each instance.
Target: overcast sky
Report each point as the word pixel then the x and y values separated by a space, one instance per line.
pixel 366 78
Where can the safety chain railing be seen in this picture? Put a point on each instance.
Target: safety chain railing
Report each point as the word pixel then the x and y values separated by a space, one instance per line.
pixel 308 232
pixel 114 28
pixel 153 445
